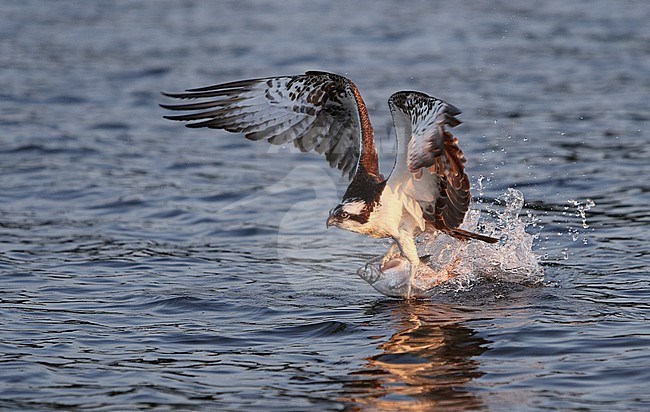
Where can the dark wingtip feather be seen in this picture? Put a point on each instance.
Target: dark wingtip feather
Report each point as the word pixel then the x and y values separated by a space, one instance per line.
pixel 451 109
pixel 166 106
pixel 177 95
pixel 451 120
pixel 177 118
pixel 241 85
pixel 177 106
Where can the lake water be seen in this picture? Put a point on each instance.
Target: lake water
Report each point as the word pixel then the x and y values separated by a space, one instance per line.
pixel 149 266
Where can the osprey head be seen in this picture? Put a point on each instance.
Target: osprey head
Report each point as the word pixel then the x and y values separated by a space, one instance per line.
pixel 349 215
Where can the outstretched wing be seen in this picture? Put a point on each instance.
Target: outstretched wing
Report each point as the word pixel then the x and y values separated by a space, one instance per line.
pixel 430 166
pixel 316 111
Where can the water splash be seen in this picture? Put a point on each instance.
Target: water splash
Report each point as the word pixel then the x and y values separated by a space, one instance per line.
pixel 453 265
pixel 570 221
pixel 581 210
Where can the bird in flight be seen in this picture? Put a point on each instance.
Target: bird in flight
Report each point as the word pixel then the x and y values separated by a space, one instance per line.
pixel 427 189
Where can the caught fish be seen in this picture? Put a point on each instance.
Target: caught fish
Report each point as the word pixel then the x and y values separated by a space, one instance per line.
pixel 391 279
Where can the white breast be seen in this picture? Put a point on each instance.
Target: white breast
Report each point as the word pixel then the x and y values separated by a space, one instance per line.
pixel 394 213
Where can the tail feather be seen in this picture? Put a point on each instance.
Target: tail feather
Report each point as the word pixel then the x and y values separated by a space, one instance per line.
pixel 460 234
pixel 467 235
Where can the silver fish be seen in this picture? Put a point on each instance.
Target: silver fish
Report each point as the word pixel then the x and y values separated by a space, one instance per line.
pixel 391 278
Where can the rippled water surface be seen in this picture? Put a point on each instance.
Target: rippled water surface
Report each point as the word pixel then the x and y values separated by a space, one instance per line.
pixel 145 265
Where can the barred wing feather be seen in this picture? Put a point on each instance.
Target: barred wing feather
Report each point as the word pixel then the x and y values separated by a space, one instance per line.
pixel 316 111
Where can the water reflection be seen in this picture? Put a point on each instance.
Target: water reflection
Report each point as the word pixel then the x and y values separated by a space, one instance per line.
pixel 427 365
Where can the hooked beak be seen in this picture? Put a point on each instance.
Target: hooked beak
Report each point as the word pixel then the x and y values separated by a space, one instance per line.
pixel 330 222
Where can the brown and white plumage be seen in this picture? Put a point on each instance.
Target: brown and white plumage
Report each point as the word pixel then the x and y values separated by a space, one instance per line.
pixel 431 170
pixel 427 189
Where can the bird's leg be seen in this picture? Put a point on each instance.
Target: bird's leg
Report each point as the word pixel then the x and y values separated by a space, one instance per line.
pixel 392 251
pixel 406 245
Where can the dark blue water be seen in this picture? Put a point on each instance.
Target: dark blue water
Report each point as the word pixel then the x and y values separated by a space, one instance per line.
pixel 145 265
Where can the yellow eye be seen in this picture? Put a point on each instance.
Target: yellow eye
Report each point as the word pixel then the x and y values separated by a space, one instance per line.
pixel 343 214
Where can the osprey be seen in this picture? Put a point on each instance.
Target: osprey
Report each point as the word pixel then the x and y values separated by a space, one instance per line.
pixel 427 189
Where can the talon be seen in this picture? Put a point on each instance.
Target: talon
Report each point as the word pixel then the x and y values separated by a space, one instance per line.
pixel 384 260
pixel 386 264
pixel 391 253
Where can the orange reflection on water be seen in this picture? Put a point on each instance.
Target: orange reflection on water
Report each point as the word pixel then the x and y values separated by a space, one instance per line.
pixel 427 365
